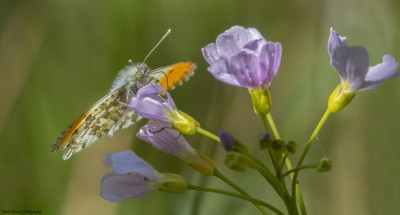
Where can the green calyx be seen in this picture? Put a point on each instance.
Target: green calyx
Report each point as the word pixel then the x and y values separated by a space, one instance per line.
pixel 340 98
pixel 261 99
pixel 184 123
pixel 172 183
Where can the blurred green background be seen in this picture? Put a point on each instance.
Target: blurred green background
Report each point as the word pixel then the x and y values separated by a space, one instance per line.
pixel 59 57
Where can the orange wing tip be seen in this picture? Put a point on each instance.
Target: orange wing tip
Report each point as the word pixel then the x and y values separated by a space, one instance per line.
pixel 177 74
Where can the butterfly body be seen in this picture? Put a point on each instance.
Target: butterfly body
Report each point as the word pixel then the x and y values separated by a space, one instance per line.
pixel 110 113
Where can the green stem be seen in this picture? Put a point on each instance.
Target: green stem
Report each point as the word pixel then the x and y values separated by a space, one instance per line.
pixel 273 126
pixel 219 175
pixel 297 169
pixel 277 186
pixel 289 167
pixel 296 191
pixel 313 136
pixel 208 134
pixel 248 198
pixel 264 121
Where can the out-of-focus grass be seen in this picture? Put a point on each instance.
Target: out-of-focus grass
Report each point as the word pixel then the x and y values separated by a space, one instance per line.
pixel 58 57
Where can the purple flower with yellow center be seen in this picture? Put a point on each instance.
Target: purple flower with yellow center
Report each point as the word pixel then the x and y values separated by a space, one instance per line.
pixel 242 57
pixel 164 138
pixel 133 178
pixel 149 104
pixel 352 63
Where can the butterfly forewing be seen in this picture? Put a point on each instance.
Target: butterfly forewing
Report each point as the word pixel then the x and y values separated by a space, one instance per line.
pixel 171 76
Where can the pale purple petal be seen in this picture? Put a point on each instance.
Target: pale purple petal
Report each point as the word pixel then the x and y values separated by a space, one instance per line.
pixel 128 162
pixel 210 53
pixel 164 138
pixel 232 41
pixel 151 90
pixel 116 187
pixel 149 108
pixel 245 67
pixel 381 72
pixel 255 33
pixel 270 60
pixel 219 69
pixel 352 63
pixel 149 105
pixel 335 41
pixel 255 45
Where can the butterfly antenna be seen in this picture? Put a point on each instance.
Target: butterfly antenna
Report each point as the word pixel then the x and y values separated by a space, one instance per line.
pixel 165 35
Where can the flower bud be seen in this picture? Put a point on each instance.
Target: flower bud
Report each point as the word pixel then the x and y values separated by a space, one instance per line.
pixel 291 146
pixel 278 145
pixel 265 140
pixel 340 98
pixel 261 99
pixel 172 183
pixel 227 140
pixel 324 165
pixel 236 161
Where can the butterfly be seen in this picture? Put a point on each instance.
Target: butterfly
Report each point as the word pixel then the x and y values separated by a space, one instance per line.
pixel 110 113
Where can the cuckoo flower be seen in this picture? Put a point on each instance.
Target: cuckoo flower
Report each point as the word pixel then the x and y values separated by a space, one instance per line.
pixel 164 138
pixel 352 63
pixel 149 104
pixel 133 178
pixel 242 57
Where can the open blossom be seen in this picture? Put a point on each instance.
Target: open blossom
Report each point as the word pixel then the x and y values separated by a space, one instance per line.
pixel 133 178
pixel 164 138
pixel 242 57
pixel 352 63
pixel 149 104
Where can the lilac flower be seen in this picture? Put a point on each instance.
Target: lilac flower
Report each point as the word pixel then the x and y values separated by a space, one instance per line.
pixel 164 138
pixel 242 57
pixel 352 63
pixel 149 104
pixel 133 178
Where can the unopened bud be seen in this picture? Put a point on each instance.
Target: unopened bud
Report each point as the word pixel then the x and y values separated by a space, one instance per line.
pixel 265 140
pixel 278 145
pixel 324 165
pixel 291 146
pixel 236 161
pixel 227 140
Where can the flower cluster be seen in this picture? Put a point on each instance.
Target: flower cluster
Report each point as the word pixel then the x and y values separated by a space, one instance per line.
pixel 244 58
